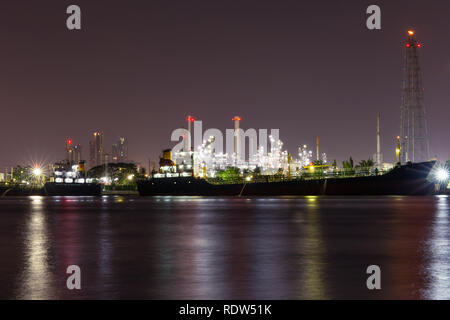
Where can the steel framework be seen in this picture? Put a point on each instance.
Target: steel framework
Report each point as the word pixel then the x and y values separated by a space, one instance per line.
pixel 414 145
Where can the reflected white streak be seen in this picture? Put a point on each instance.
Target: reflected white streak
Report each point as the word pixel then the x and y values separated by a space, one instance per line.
pixel 439 247
pixel 36 276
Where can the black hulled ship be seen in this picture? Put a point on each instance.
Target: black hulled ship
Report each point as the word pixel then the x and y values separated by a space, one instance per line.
pixel 408 179
pixel 71 180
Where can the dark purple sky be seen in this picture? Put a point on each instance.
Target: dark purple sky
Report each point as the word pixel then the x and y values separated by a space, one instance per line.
pixel 137 68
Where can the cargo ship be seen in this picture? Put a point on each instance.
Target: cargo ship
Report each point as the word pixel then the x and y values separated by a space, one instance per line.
pixel 72 189
pixel 71 180
pixel 67 180
pixel 408 179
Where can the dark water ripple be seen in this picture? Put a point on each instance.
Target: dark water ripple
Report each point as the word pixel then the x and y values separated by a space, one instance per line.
pixel 220 248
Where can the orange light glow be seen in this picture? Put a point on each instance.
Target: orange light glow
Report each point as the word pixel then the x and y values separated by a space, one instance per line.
pixel 411 33
pixel 236 118
pixel 190 119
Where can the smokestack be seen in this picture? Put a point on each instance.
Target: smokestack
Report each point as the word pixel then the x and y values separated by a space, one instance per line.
pixel 236 120
pixel 68 149
pixel 188 144
pixel 317 149
pixel 378 143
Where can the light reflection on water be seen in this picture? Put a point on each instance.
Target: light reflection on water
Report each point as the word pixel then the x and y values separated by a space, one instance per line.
pixel 219 248
pixel 438 248
pixel 35 280
pixel 314 248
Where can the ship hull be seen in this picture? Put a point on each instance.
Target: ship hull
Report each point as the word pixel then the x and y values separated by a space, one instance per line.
pixel 72 189
pixel 410 179
pixel 19 191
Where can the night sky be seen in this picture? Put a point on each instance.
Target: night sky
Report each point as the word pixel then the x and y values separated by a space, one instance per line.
pixel 137 68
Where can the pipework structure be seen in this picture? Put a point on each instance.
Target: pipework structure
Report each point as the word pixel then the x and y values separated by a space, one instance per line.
pixel 414 144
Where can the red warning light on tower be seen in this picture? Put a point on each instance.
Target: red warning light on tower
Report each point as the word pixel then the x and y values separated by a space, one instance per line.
pixel 69 141
pixel 190 119
pixel 419 45
pixel 237 118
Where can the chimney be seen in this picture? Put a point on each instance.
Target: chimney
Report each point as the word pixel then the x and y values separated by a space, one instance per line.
pixel 317 149
pixel 188 144
pixel 236 120
pixel 378 159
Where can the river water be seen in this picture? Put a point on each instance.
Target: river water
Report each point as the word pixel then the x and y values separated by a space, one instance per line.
pixel 225 248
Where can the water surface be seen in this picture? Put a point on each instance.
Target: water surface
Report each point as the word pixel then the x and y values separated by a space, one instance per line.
pixel 225 248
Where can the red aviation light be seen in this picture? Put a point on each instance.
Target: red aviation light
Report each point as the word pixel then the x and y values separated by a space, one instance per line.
pixel 69 141
pixel 408 45
pixel 190 119
pixel 419 45
pixel 237 118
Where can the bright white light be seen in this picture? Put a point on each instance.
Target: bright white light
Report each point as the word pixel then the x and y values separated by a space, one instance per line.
pixel 70 174
pixel 37 171
pixel 170 175
pixel 186 174
pixel 442 174
pixel 130 177
pixel 105 180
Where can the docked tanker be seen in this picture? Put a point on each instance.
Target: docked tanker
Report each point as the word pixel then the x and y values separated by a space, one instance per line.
pixel 70 180
pixel 408 179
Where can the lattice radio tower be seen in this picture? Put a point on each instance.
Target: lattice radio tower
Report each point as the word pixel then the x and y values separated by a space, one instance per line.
pixel 413 126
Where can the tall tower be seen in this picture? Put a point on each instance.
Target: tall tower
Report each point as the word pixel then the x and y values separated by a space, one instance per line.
pixel 317 149
pixel 188 144
pixel 378 156
pixel 96 157
pixel 413 125
pixel 123 149
pixel 69 150
pixel 77 153
pixel 237 146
